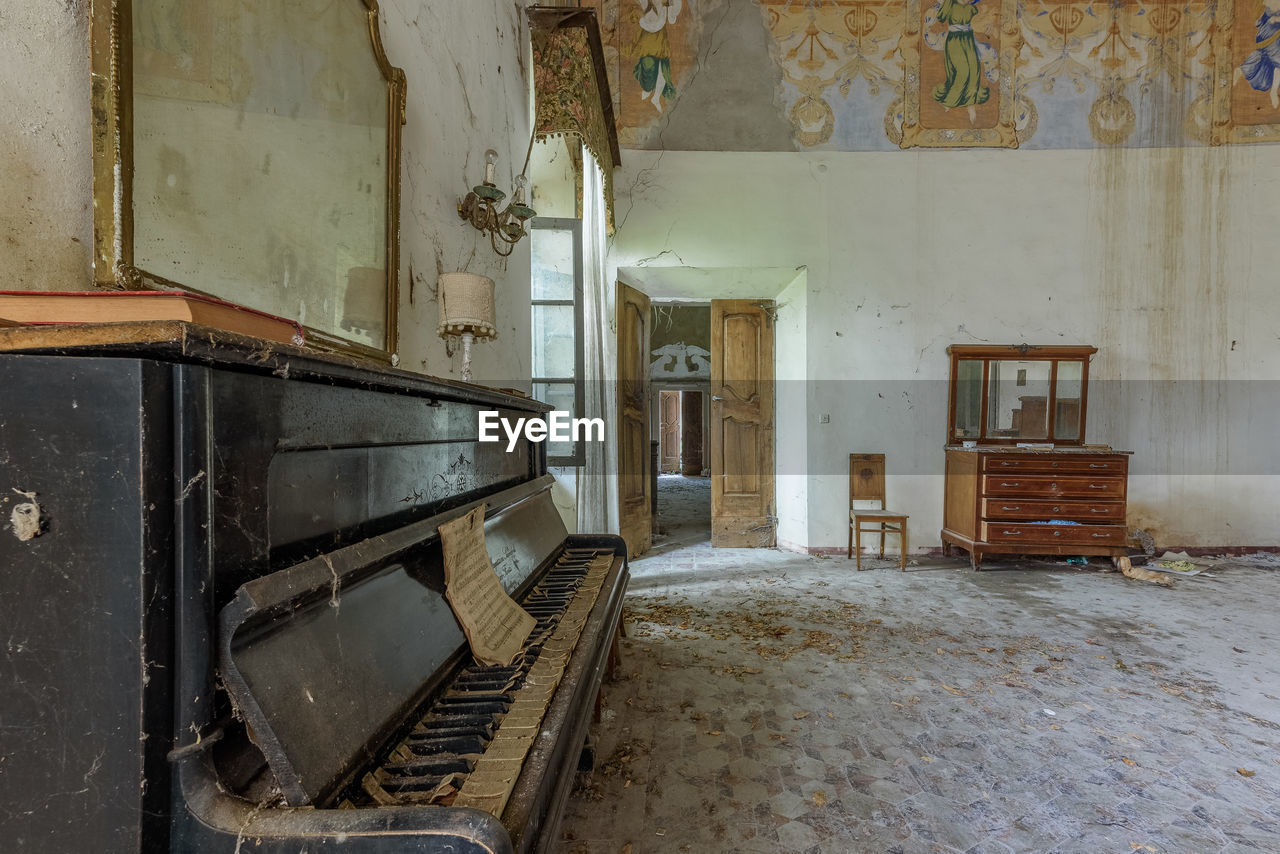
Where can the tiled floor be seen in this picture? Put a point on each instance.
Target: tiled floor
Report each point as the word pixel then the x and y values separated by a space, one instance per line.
pixel 771 702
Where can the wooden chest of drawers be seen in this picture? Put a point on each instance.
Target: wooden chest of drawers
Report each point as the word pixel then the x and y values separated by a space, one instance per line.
pixel 1068 501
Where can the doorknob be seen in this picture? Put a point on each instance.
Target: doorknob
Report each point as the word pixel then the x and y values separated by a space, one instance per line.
pixel 713 397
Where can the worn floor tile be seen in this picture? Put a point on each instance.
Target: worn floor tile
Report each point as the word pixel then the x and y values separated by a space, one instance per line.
pixel 772 702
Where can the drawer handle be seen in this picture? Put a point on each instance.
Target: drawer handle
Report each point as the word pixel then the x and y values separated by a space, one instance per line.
pixel 1014 507
pixel 1056 509
pixel 1099 465
pixel 1057 533
pixel 1007 463
pixel 1002 483
pixel 1101 536
pixel 1095 510
pixel 1011 532
pixel 1097 486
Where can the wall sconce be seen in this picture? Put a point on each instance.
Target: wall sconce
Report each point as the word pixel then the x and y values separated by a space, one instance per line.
pixel 480 208
pixel 466 308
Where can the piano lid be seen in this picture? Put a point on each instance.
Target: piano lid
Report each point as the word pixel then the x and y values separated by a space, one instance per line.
pixel 325 660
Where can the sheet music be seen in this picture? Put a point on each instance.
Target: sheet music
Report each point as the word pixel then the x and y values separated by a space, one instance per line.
pixel 495 625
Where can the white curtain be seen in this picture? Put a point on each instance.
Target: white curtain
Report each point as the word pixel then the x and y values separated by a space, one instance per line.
pixel 597 481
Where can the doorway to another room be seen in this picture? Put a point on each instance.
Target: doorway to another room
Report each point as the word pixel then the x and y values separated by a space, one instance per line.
pixel 683 511
pixel 680 386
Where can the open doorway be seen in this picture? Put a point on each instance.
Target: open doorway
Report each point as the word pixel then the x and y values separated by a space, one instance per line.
pixel 739 405
pixel 680 377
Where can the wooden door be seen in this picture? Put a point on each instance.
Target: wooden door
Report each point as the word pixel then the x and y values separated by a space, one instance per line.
pixel 742 508
pixel 634 486
pixel 669 429
pixel 691 433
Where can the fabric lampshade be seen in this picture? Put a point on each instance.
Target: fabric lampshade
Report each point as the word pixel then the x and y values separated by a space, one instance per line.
pixel 466 305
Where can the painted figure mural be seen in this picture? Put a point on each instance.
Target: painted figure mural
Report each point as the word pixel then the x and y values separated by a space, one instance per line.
pixel 653 46
pixel 965 82
pixel 1260 67
pixel 867 75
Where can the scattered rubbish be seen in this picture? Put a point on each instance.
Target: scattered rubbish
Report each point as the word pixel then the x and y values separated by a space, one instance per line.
pixel 1050 712
pixel 1184 564
pixel 820 798
pixel 1140 574
pixel 1078 561
pixel 1267 560
pixel 1244 772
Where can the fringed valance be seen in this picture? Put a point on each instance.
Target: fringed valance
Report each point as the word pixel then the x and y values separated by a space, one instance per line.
pixel 571 89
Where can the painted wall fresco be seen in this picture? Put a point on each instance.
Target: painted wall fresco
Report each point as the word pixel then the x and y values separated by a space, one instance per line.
pixel 680 342
pixel 880 74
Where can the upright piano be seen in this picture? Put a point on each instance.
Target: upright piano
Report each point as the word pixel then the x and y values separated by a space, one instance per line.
pixel 221 601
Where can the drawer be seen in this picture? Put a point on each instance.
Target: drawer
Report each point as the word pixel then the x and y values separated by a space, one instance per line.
pixel 1048 464
pixel 1053 535
pixel 1076 511
pixel 1105 487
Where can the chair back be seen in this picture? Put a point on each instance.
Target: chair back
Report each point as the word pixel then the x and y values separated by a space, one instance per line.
pixel 866 478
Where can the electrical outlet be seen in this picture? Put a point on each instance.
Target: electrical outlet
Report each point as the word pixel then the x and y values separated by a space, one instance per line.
pixel 824 418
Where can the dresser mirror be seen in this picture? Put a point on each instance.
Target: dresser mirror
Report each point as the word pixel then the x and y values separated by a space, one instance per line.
pixel 1018 394
pixel 250 151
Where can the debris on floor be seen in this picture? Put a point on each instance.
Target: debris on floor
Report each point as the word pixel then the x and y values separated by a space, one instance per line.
pixel 1140 573
pixel 771 702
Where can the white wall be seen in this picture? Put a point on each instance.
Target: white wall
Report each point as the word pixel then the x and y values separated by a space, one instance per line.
pixel 791 424
pixel 1161 258
pixel 46 175
pixel 468 90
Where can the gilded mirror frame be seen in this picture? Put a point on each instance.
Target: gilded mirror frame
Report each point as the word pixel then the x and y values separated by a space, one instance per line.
pixel 111 66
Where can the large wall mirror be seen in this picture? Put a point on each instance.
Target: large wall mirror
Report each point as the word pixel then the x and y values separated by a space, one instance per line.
pixel 250 151
pixel 1018 394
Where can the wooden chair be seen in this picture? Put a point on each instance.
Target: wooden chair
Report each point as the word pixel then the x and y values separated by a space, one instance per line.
pixel 866 484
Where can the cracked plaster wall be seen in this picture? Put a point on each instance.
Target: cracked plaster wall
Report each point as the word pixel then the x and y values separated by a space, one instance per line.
pixel 1161 258
pixel 468 90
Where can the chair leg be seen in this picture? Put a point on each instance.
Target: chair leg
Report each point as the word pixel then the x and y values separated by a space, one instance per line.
pixel 904 546
pixel 882 542
pixel 857 545
pixel 849 556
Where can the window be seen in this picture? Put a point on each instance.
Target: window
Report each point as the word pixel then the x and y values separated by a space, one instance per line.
pixel 556 309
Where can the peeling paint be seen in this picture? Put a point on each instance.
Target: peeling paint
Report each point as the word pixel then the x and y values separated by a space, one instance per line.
pixel 26 517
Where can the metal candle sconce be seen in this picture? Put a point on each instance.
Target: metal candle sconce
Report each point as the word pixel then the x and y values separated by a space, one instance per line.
pixel 480 208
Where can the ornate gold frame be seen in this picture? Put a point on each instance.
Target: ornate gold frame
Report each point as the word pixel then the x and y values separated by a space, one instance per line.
pixel 1004 134
pixel 111 68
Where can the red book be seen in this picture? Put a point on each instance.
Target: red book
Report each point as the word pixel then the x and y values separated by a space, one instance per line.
pixel 124 306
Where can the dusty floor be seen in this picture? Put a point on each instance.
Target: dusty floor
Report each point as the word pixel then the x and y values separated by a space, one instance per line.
pixel 771 702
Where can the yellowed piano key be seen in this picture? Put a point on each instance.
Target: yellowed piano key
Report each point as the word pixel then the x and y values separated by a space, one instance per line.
pixel 511 748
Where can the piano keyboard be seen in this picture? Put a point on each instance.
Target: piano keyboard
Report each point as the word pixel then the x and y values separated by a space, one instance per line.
pixel 467 750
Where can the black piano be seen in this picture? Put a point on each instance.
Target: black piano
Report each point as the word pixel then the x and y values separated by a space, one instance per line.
pixel 221 600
